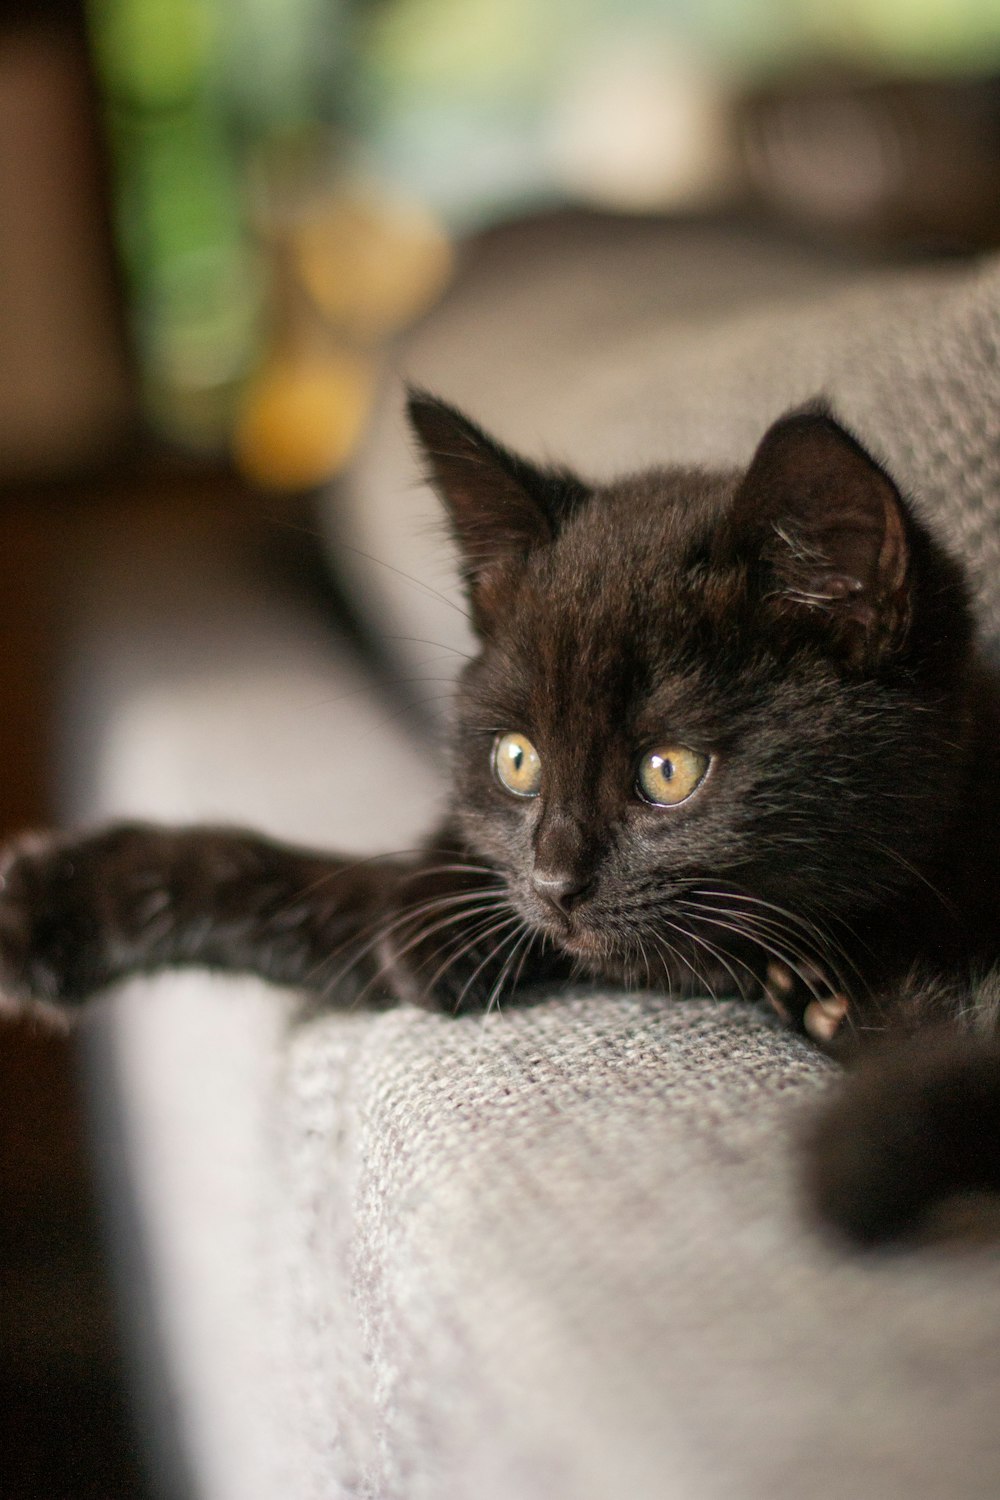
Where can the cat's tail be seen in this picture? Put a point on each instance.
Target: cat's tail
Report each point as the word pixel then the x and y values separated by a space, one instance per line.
pixel 917 1123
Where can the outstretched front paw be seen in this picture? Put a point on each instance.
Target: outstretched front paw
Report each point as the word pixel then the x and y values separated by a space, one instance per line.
pixel 40 927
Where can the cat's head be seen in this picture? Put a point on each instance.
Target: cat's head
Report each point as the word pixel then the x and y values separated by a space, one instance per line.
pixel 692 682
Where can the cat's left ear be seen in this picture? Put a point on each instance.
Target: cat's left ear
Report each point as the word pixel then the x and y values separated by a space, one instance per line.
pixel 830 529
pixel 500 506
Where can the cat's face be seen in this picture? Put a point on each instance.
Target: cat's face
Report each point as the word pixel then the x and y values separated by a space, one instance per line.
pixel 708 709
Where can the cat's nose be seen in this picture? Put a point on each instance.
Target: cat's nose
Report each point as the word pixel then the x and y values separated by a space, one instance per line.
pixel 560 888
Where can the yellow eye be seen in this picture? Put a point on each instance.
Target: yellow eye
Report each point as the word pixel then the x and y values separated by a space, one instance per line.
pixel 670 773
pixel 517 764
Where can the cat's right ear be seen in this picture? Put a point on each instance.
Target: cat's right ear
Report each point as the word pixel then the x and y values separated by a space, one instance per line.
pixel 500 506
pixel 830 530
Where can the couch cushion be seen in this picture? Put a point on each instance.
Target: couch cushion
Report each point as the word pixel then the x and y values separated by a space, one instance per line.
pixel 560 1256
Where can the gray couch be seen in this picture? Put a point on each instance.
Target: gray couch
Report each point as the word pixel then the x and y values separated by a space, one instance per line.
pixel 559 1254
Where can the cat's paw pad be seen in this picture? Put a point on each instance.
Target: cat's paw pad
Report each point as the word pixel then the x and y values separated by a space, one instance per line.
pixel 779 991
pixel 823 1017
pixel 804 998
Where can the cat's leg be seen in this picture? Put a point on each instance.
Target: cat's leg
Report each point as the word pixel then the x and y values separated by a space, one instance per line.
pixel 918 1119
pixel 80 911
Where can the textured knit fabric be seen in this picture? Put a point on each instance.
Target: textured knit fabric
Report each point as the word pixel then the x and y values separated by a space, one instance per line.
pixel 561 1257
pixel 558 1255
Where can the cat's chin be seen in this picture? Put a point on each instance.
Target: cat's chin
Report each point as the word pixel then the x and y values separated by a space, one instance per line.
pixel 569 934
pixel 592 948
pixel 589 945
pixel 583 944
pixel 638 965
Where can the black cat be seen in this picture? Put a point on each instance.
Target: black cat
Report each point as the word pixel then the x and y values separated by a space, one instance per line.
pixel 727 731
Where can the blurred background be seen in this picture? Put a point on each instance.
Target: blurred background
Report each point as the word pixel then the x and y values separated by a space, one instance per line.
pixel 216 219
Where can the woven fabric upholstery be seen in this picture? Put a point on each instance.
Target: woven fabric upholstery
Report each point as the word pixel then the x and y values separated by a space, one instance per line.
pixel 562 1258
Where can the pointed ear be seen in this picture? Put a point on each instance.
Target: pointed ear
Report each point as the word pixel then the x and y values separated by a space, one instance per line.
pixel 500 506
pixel 830 530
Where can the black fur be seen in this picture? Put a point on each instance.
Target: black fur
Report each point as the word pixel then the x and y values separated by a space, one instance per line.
pixel 794 624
